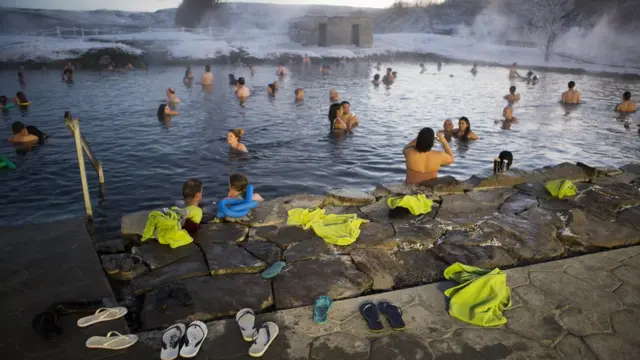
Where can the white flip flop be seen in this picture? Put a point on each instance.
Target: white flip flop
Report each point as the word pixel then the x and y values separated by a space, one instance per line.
pixel 196 333
pixel 171 339
pixel 103 314
pixel 247 323
pixel 113 341
pixel 266 334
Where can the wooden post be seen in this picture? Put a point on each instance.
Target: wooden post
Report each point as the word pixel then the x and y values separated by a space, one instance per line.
pixel 100 173
pixel 83 174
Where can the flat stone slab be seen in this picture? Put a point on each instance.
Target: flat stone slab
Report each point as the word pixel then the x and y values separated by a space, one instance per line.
pixel 590 230
pixel 156 255
pixel 339 346
pixel 307 250
pixel 112 246
pixel 400 347
pixel 418 267
pixel 275 211
pixel 467 209
pixel 348 197
pixel 188 267
pixel 372 235
pixel 263 250
pixel 422 232
pixel 132 225
pixel 231 259
pixel 565 171
pixel 228 233
pixel 486 257
pixel 397 189
pixel 284 236
pixel 445 185
pixel 518 203
pixel 302 282
pixel 379 265
pixel 608 199
pixel 495 181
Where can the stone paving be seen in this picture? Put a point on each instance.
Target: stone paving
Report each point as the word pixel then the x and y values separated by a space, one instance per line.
pixel 500 221
pixel 584 307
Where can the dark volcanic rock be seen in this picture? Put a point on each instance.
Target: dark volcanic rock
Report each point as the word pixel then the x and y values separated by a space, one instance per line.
pixel 112 246
pixel 542 217
pixel 495 181
pixel 339 345
pixel 381 213
pixel 631 168
pixel 418 267
pixel 302 282
pixel 263 250
pixel 565 171
pixel 379 265
pixel 282 236
pixel 213 297
pixel 231 259
pixel 386 190
pixel 275 211
pixel 445 185
pixel 348 197
pixel 400 347
pixel 373 235
pixel 486 257
pixel 229 233
pixel 608 199
pixel 467 209
pixel 597 230
pixel 132 225
pixel 306 250
pixel 422 231
pixel 157 255
pixel 191 266
pixel 518 202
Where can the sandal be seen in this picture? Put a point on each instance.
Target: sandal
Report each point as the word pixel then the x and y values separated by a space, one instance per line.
pixel 111 342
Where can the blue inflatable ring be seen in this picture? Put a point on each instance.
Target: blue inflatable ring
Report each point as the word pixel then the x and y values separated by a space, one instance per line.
pixel 237 208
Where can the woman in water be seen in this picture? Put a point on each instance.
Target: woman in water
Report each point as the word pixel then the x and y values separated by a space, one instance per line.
pixel 234 136
pixel 164 111
pixel 422 162
pixel 4 103
pixel 188 77
pixel 238 188
pixel 21 99
pixel 463 132
pixel 335 118
pixel 272 88
pixel 172 98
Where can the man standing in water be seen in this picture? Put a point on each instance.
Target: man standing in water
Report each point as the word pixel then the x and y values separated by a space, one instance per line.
pixel 626 105
pixel 243 92
pixel 348 117
pixel 512 96
pixel 571 96
pixel 207 77
pixel 513 72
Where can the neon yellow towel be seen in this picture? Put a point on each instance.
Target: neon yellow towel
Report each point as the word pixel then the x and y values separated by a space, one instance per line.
pixel 481 296
pixel 417 204
pixel 334 229
pixel 166 227
pixel 561 188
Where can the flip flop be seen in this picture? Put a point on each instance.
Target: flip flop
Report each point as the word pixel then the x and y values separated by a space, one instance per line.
pixel 370 313
pixel 273 270
pixel 103 314
pixel 111 266
pixel 246 322
pixel 196 333
pixel 127 264
pixel 321 309
pixel 393 314
pixel 266 334
pixel 111 342
pixel 171 340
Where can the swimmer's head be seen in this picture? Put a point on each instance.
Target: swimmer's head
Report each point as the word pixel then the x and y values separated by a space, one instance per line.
pixel 241 81
pixel 161 110
pixel 395 74
pixel 192 190
pixel 514 64
pixel 512 89
pixel 464 124
pixel 571 84
pixel 299 93
pixel 335 110
pixel 238 182
pixel 376 77
pixel 424 141
pixel 207 68
pixel 346 107
pixel 232 77
pixel 333 93
pixel 389 70
pixel 530 73
pixel 234 135
pixel 18 128
pixel 171 91
pixel 626 95
pixel 448 125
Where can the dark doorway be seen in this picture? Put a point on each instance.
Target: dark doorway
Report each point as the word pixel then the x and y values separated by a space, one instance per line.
pixel 322 36
pixel 355 34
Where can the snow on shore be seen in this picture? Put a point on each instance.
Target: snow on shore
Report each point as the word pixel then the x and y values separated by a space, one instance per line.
pixel 193 46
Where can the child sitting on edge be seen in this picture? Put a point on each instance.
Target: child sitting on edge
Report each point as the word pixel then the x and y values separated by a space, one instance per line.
pixel 238 187
pixel 192 193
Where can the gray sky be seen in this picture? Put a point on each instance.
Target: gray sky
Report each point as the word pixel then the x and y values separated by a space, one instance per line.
pixel 152 5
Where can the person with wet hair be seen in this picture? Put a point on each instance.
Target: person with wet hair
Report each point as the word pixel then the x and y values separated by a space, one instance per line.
pixel 571 96
pixel 26 134
pixel 21 100
pixel 273 88
pixel 165 112
pixel 348 117
pixel 532 78
pixel 234 136
pixel 423 69
pixel 238 188
pixel 626 106
pixel 503 162
pixel 463 132
pixel 447 129
pixel 513 72
pixel 512 96
pixel 172 98
pixel 422 162
pixel 242 91
pixel 388 79
pixel 376 80
pixel 299 95
pixel 188 77
pixel 207 76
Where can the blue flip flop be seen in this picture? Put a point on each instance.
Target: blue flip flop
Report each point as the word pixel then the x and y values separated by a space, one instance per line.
pixel 273 270
pixel 321 309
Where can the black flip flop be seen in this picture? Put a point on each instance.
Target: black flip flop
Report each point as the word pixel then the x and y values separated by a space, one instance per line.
pixel 393 314
pixel 370 313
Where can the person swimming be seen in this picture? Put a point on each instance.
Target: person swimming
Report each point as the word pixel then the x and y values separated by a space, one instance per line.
pixel 238 188
pixel 242 92
pixel 26 134
pixel 21 75
pixel 21 99
pixel 571 96
pixel 378 66
pixel 273 88
pixel 447 129
pixel 626 106
pixel 422 162
pixel 306 60
pixel 350 119
pixel 376 79
pixel 503 162
pixel 423 69
pixel 507 113
pixel 474 69
pixel 188 77
pixel 463 132
pixel 165 112
pixel 334 95
pixel 207 76
pixel 251 69
pixel 4 103
pixel 234 136
pixel 324 69
pixel 335 118
pixel 299 93
pixel 512 96
pixel 388 79
pixel 282 70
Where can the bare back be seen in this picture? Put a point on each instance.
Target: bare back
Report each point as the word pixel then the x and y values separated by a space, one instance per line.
pixel 207 78
pixel 422 166
pixel 243 92
pixel 571 97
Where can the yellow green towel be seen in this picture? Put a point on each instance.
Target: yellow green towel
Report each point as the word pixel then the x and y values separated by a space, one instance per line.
pixel 481 296
pixel 561 188
pixel 417 204
pixel 166 227
pixel 334 229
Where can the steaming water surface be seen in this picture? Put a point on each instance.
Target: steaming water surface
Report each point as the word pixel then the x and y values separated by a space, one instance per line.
pixel 146 161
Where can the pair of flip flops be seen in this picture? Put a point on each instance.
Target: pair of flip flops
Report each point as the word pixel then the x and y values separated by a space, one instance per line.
pixel 181 340
pixel 371 314
pixel 114 340
pixel 261 338
pixel 125 267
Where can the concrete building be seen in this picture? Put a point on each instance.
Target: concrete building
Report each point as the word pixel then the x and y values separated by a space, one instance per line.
pixel 332 31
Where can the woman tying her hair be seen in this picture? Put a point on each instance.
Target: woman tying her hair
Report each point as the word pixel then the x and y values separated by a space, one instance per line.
pixel 21 99
pixel 238 188
pixel 234 136
pixel 463 132
pixel 422 162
